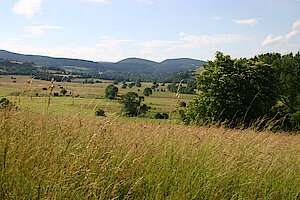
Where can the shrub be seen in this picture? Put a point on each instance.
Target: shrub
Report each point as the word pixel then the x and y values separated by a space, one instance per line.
pixel 161 116
pixel 63 92
pixel 4 103
pixel 182 104
pixel 100 112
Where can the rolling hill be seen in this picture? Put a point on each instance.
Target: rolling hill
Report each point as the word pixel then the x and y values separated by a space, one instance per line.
pixel 128 66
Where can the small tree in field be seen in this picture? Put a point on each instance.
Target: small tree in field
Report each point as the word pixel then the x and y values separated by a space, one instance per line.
pixel 147 92
pixel 64 92
pixel 132 104
pixel 138 83
pixel 100 112
pixel 111 92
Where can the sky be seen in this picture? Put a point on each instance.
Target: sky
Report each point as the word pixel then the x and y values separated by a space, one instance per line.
pixel 111 30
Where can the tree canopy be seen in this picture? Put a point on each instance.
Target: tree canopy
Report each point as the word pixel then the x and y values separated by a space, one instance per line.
pixel 147 92
pixel 132 104
pixel 233 92
pixel 111 92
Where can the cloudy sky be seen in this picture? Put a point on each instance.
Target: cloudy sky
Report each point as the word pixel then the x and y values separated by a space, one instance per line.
pixel 111 30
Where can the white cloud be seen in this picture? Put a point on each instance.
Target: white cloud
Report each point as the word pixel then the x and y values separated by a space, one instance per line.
pixel 34 31
pixel 28 8
pixel 112 49
pixel 246 21
pixel 66 51
pixel 146 1
pixel 216 18
pixel 146 51
pixel 157 43
pixel 110 42
pixel 99 1
pixel 276 40
pixel 182 34
pixel 296 24
pixel 195 41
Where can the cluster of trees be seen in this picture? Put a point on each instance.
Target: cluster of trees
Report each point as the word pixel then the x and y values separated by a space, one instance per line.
pixel 8 67
pixel 179 88
pixel 90 81
pixel 262 91
pixel 132 104
pixel 131 101
pixel 178 77
pixel 130 85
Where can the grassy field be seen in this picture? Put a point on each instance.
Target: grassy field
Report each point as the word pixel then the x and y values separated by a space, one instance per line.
pixel 89 97
pixel 62 151
pixel 60 157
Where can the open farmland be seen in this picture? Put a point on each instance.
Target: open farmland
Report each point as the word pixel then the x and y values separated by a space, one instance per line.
pixel 85 98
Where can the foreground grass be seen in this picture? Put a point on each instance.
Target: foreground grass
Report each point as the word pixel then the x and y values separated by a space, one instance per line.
pixel 59 157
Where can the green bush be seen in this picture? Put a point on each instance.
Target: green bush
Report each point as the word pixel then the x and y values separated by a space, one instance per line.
pixel 182 104
pixel 161 116
pixel 100 112
pixel 4 103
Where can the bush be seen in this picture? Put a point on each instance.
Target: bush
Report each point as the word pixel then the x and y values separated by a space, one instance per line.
pixel 100 112
pixel 182 104
pixel 161 116
pixel 4 103
pixel 63 91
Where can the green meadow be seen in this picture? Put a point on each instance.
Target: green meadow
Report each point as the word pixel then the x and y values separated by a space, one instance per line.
pixel 56 148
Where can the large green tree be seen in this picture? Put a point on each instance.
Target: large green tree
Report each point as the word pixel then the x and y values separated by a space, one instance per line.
pixel 233 92
pixel 147 92
pixel 132 104
pixel 287 68
pixel 111 92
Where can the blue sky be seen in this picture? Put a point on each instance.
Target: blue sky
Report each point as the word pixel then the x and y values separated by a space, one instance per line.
pixel 111 30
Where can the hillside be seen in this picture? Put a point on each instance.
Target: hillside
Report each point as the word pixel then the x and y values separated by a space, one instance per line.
pixel 129 66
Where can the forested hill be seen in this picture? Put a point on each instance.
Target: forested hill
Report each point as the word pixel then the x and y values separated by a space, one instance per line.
pixel 129 66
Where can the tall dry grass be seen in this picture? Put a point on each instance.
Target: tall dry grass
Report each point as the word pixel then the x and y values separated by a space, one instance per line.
pixel 57 157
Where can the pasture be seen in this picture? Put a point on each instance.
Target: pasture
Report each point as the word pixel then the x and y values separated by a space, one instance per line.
pixel 81 99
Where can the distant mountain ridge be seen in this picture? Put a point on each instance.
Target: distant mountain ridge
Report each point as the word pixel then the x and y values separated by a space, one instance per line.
pixel 128 66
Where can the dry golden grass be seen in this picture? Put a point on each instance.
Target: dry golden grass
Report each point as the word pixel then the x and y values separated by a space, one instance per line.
pixel 59 157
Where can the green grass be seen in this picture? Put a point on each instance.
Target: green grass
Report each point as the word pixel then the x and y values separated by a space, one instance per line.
pixel 58 157
pixel 92 97
pixel 6 91
pixel 61 150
